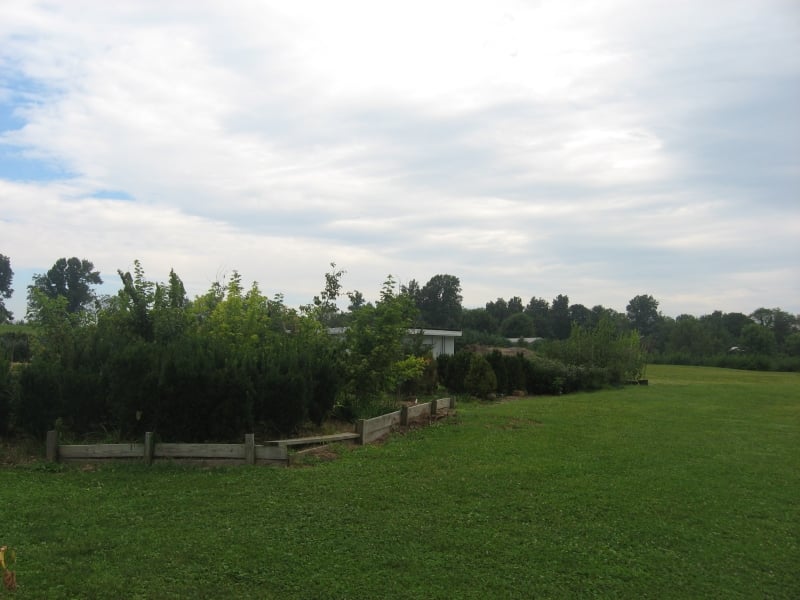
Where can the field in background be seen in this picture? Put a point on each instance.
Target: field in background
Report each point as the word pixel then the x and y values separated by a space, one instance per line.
pixel 687 487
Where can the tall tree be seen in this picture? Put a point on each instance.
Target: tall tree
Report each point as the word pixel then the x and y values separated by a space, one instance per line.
pixel 581 316
pixel 6 277
pixel 539 310
pixel 479 319
pixel 498 310
pixel 439 302
pixel 643 314
pixel 72 279
pixel 560 317
pixel 515 305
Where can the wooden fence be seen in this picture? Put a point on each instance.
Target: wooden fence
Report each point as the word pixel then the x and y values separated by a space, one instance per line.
pixel 370 430
pixel 249 453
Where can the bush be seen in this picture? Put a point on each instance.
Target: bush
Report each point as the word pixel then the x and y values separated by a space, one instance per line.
pixel 453 370
pixel 6 392
pixel 480 380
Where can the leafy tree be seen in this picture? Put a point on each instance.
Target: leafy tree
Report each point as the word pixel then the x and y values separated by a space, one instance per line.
pixel 734 322
pixel 376 355
pixel 580 315
pixel 356 300
pixel 498 310
pixel 324 307
pixel 72 279
pixel 439 302
pixel 643 314
pixel 793 344
pixel 518 326
pixel 758 339
pixel 560 317
pixel 479 319
pixel 539 310
pixel 515 305
pixel 412 290
pixel 6 277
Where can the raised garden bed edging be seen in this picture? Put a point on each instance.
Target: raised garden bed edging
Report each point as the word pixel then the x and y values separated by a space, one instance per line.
pixel 249 453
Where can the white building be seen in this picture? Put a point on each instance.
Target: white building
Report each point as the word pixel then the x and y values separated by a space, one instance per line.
pixel 440 341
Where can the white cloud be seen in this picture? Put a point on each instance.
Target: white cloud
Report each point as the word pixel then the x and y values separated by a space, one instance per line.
pixel 531 149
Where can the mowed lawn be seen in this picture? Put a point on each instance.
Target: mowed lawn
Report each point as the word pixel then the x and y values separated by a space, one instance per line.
pixel 686 488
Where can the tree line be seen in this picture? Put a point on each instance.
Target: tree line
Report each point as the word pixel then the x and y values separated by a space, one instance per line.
pixel 234 360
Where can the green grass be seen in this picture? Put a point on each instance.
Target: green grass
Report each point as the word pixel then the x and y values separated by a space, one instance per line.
pixel 686 488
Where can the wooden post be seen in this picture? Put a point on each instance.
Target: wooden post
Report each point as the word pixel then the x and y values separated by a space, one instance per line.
pixel 360 430
pixel 149 446
pixel 250 448
pixel 404 415
pixel 52 446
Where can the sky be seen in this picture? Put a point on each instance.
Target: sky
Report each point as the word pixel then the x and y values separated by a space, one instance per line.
pixel 599 150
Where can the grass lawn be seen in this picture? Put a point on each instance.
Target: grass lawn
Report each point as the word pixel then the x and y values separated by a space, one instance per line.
pixel 686 488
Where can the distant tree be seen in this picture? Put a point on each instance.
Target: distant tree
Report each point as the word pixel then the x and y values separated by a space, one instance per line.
pixel 324 308
pixel 539 310
pixel 783 325
pixel 479 319
pixel 517 326
pixel 758 339
pixel 643 314
pixel 560 317
pixel 780 322
pixel 515 305
pixel 412 290
pixel 581 316
pixel 439 302
pixel 793 344
pixel 498 310
pixel 6 277
pixel 762 316
pixel 71 279
pixel 734 322
pixel 356 300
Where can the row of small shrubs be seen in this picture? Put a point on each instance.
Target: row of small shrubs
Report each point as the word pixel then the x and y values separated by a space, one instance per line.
pixel 191 390
pixel 472 373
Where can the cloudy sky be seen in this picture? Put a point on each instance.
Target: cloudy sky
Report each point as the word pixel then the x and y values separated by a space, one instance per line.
pixel 595 149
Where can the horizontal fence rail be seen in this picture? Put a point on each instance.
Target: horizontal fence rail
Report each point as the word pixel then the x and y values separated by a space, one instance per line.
pixel 248 453
pixel 274 452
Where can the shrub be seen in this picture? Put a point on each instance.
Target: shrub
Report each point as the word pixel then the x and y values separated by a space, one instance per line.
pixel 6 388
pixel 480 380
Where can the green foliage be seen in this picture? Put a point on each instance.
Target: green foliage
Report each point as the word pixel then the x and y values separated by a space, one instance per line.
pixel 481 380
pixel 377 358
pixel 439 302
pixel 643 314
pixel 453 370
pixel 71 279
pixel 190 371
pixel 6 278
pixel 518 325
pixel 15 343
pixel 603 347
pixel 6 394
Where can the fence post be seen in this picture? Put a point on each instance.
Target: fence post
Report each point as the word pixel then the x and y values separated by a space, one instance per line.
pixel 250 448
pixel 148 447
pixel 360 430
pixel 52 445
pixel 404 415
